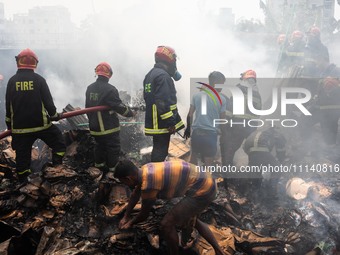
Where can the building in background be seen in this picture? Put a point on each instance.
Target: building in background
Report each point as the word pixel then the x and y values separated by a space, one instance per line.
pixel 289 15
pixel 44 27
pixel 226 18
pixel 2 22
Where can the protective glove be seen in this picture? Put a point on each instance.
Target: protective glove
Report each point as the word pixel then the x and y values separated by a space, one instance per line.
pixel 187 132
pixel 172 129
pixel 56 117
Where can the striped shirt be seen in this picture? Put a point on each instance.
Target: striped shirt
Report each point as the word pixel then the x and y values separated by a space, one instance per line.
pixel 171 179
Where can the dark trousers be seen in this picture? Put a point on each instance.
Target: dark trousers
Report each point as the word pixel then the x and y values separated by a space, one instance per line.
pixel 328 120
pixel 107 150
pixel 22 144
pixel 232 142
pixel 263 158
pixel 160 147
pixel 306 123
pixel 267 188
pixel 329 126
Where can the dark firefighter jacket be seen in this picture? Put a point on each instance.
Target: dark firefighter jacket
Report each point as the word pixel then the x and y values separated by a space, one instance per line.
pixel 160 102
pixel 331 71
pixel 28 103
pixel 314 49
pixel 295 53
pixel 102 93
pixel 266 140
pixel 256 99
pixel 328 101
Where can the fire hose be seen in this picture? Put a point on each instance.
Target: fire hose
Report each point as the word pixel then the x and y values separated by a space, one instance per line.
pixel 68 115
pixel 65 115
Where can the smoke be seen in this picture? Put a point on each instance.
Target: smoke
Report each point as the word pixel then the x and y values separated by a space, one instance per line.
pixel 127 35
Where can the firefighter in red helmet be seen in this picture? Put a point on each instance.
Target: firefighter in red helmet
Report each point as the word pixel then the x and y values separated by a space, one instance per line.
pixel 161 116
pixel 283 43
pixel 295 51
pixel 239 132
pixel 329 107
pixel 104 125
pixel 314 48
pixel 29 111
pixel 281 39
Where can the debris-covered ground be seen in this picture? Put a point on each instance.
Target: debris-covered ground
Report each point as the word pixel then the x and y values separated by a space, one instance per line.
pixel 74 209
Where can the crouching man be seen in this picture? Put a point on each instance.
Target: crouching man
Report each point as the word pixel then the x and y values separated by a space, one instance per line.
pixel 166 180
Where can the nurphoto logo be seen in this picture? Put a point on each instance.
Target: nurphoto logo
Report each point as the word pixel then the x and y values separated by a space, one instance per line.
pixel 241 102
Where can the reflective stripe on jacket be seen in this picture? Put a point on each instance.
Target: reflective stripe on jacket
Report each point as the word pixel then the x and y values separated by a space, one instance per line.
pixel 160 102
pixel 29 102
pixel 103 93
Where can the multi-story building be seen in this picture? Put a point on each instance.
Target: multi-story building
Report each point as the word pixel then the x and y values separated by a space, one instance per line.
pixel 2 22
pixel 226 18
pixel 45 27
pixel 287 15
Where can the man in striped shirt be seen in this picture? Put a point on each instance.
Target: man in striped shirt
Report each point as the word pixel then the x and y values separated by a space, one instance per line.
pixel 166 180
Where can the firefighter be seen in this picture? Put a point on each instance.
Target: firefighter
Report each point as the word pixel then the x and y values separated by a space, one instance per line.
pixel 161 115
pixel 104 125
pixel 325 69
pixel 314 48
pixel 295 51
pixel 167 180
pixel 240 130
pixel 204 133
pixel 259 147
pixel 281 40
pixel 329 103
pixel 283 43
pixel 29 112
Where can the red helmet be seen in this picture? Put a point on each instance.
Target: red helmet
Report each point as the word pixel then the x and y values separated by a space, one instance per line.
pixel 330 83
pixel 248 74
pixel 27 59
pixel 296 35
pixel 103 69
pixel 165 54
pixel 281 38
pixel 314 31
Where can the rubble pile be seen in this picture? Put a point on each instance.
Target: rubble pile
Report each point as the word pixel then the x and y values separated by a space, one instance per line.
pixel 74 209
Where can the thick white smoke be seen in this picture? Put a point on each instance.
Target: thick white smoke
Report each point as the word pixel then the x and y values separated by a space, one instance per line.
pixel 127 37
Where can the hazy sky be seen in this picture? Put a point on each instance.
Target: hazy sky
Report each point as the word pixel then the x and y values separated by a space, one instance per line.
pixel 80 9
pixel 127 33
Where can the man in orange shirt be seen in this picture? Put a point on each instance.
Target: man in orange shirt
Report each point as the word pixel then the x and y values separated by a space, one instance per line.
pixel 166 180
